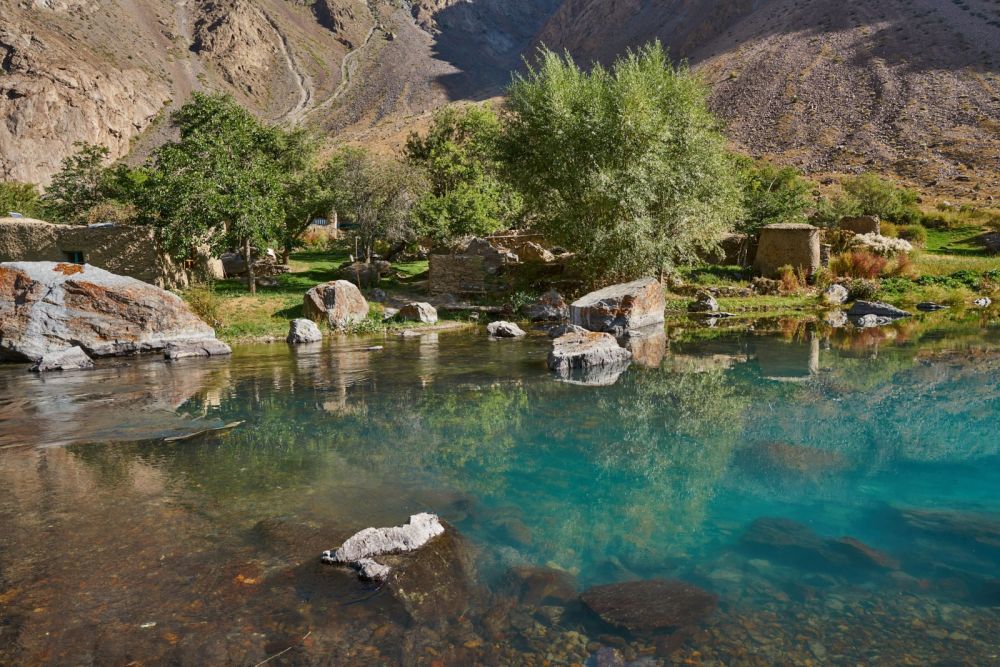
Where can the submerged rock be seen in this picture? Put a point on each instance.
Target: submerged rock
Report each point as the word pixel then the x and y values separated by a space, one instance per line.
pixel 196 348
pixel 49 307
pixel 790 458
pixel 71 359
pixel 339 303
pixel 877 308
pixel 358 550
pixel 644 606
pixel 418 312
pixel 794 543
pixel 504 330
pixel 586 350
pixel 618 308
pixel 303 331
pixel 536 586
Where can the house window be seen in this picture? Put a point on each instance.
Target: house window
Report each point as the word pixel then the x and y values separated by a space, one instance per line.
pixel 74 256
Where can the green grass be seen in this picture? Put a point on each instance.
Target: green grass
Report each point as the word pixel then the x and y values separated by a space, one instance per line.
pixel 238 316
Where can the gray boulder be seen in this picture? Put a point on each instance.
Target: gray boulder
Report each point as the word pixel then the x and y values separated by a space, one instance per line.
pixel 835 295
pixel 550 307
pixel 618 308
pixel 70 359
pixel 358 551
pixel 364 274
pixel 877 308
pixel 563 329
pixel 835 318
pixel 504 330
pixel 418 311
pixel 50 306
pixel 586 350
pixel 196 348
pixel 303 331
pixel 703 303
pixel 338 302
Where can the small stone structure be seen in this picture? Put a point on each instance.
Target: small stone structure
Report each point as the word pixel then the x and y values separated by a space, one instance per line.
pixel 865 224
pixel 127 250
pixel 788 244
pixel 457 274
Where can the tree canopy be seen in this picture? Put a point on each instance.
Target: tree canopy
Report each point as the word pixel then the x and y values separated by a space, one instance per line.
pixel 625 166
pixel 771 195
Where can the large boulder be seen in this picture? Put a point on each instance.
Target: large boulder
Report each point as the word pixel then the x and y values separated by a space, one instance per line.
pixel 418 311
pixel 364 274
pixel 596 357
pixel 618 308
pixel 49 307
pixel 835 294
pixel 647 606
pixel 70 359
pixel 339 303
pixel 550 307
pixel 878 308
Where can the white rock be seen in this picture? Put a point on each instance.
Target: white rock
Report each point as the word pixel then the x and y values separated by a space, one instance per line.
pixel 303 331
pixel 504 330
pixel 418 312
pixel 835 295
pixel 358 550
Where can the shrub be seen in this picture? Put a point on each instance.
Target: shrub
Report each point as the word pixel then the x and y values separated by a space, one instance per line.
pixel 205 303
pixel 873 195
pixel 822 277
pixel 915 234
pixel 790 279
pixel 889 229
pixel 863 289
pixel 859 264
pixel 903 267
pixel 880 245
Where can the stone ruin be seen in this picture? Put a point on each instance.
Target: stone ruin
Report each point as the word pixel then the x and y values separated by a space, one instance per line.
pixel 475 266
pixel 787 244
pixel 865 224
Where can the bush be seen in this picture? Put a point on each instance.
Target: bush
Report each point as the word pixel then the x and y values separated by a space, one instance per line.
pixel 205 303
pixel 915 234
pixel 873 195
pixel 20 198
pixel 889 230
pixel 858 264
pixel 822 277
pixel 790 279
pixel 863 289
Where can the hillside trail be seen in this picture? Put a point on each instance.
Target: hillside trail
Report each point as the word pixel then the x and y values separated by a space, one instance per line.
pixel 346 65
pixel 303 82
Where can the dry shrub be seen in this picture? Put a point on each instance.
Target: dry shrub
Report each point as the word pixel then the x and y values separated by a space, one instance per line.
pixel 903 267
pixel 859 264
pixel 205 303
pixel 317 238
pixel 791 279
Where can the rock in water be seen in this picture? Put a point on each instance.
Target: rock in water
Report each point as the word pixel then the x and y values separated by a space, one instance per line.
pixel 303 331
pixel 48 307
pixel 584 350
pixel 704 303
pixel 930 307
pixel 550 307
pixel 618 308
pixel 559 330
pixel 71 359
pixel 835 295
pixel 877 308
pixel 418 312
pixel 358 550
pixel 645 606
pixel 338 302
pixel 504 330
pixel 196 348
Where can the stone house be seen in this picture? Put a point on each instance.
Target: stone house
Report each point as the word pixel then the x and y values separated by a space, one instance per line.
pixel 787 244
pixel 123 249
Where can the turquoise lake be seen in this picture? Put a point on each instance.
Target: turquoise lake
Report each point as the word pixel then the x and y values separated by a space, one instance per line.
pixel 837 491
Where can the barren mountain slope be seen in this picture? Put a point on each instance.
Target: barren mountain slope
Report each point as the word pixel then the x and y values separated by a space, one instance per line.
pixel 909 86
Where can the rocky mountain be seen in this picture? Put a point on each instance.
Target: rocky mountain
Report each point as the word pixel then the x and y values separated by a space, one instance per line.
pixel 908 86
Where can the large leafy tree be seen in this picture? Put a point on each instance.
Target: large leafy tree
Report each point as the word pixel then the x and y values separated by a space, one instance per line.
pixel 22 198
pixel 459 156
pixel 772 195
pixel 224 182
pixel 373 195
pixel 78 187
pixel 624 165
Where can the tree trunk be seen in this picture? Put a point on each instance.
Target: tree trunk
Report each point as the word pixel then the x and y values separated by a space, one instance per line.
pixel 251 279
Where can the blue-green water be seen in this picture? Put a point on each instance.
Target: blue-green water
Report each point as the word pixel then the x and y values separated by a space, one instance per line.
pixel 890 438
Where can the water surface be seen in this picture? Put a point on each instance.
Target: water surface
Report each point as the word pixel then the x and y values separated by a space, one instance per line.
pixel 118 547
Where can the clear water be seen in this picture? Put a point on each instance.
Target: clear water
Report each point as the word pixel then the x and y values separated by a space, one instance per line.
pixel 117 547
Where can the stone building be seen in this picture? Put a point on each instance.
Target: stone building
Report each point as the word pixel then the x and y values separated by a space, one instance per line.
pixel 126 250
pixel 788 244
pixel 865 224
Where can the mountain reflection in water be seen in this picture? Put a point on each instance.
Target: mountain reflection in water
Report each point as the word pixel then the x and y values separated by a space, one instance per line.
pixel 836 491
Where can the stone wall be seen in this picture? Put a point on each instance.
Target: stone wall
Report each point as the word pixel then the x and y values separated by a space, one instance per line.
pixel 125 250
pixel 865 224
pixel 795 245
pixel 457 274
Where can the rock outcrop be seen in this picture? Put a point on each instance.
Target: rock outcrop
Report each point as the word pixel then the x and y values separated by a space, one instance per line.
pixel 618 308
pixel 338 303
pixel 303 331
pixel 588 357
pixel 70 359
pixel 189 349
pixel 550 307
pixel 48 307
pixel 361 548
pixel 860 309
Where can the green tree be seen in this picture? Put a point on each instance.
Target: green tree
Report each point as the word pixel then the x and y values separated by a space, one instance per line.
pixel 374 195
pixel 20 198
pixel 772 195
pixel 870 194
pixel 466 195
pixel 78 187
pixel 224 182
pixel 625 165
